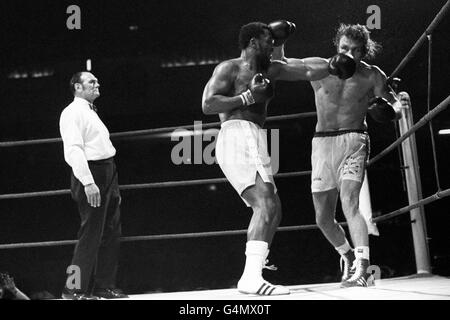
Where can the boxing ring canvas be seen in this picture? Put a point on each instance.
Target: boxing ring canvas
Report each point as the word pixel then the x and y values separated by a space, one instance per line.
pixel 404 288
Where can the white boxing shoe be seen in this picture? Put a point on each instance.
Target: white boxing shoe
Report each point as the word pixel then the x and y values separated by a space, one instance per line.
pixel 260 287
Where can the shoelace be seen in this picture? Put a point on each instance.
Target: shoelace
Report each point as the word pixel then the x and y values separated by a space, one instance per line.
pixel 349 271
pixel 359 272
pixel 342 263
pixel 271 267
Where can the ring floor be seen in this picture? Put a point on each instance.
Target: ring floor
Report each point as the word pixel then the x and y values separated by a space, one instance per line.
pixel 415 287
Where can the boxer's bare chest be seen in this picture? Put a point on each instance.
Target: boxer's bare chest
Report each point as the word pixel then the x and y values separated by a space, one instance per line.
pixel 351 91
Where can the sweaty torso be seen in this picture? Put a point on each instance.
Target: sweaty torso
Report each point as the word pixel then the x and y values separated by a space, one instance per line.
pixel 241 79
pixel 342 104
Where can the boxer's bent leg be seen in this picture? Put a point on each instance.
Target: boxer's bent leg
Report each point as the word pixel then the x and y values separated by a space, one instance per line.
pixel 358 230
pixel 266 218
pixel 350 205
pixel 351 177
pixel 266 207
pixel 325 208
pixel 324 190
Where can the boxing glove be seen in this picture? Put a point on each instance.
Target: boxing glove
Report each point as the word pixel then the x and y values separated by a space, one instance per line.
pixel 342 65
pixel 260 89
pixel 281 30
pixel 381 110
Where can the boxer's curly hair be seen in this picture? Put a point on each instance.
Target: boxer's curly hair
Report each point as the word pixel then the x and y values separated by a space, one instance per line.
pixel 359 33
pixel 251 30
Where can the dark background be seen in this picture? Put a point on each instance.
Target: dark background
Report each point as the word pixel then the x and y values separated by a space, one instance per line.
pixel 139 93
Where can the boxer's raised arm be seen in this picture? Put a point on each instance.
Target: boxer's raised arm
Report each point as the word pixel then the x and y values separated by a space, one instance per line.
pixel 384 106
pixel 381 88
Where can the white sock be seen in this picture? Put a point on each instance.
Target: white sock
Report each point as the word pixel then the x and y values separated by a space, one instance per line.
pixel 343 249
pixel 256 253
pixel 362 252
pixel 266 255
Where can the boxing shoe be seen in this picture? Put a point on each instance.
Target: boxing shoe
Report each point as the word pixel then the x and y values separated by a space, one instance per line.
pixel 260 287
pixel 360 278
pixel 348 265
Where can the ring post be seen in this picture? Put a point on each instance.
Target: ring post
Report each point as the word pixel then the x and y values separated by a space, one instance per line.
pixel 414 189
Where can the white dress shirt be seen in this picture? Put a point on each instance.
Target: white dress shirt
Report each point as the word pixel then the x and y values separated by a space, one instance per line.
pixel 85 138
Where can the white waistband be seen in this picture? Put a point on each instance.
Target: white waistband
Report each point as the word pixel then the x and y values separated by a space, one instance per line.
pixel 233 121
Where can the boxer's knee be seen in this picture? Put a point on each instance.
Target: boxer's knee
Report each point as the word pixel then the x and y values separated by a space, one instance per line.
pixel 350 205
pixel 324 220
pixel 350 197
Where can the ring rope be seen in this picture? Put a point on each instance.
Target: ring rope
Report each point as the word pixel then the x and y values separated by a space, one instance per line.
pixel 154 130
pixel 151 185
pixel 201 181
pixel 424 120
pixel 433 142
pixel 157 237
pixel 437 196
pixel 437 19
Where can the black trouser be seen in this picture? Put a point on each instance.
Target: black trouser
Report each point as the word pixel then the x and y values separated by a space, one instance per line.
pixel 97 250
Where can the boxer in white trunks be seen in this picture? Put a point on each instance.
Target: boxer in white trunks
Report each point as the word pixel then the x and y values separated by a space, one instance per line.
pixel 340 147
pixel 239 91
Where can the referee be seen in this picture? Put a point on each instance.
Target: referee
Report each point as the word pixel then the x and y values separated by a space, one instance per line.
pixel 94 187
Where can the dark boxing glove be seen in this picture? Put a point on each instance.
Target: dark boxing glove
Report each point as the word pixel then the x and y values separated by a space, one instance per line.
pixel 281 30
pixel 260 89
pixel 381 110
pixel 342 65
